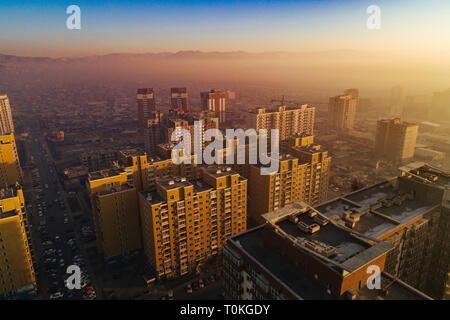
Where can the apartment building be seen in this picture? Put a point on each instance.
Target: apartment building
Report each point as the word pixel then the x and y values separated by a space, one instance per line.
pixel 17 277
pixel 145 100
pixel 179 99
pixel 10 170
pixel 115 212
pixel 99 159
pixel 114 198
pixel 6 121
pixel 161 128
pixel 289 122
pixel 395 140
pixel 300 254
pixel 341 112
pixel 303 175
pixel 214 101
pixel 354 92
pixel 153 132
pixel 411 213
pixel 184 223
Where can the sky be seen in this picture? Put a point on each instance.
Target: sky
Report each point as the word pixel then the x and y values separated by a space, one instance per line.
pixel 38 28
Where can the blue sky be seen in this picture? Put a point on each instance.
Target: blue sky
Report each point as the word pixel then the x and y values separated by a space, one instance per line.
pixel 39 27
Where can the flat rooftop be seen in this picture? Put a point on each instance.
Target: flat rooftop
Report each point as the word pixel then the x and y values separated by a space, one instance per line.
pixel 8 214
pixel 170 182
pixel 329 240
pixel 220 171
pixel 376 209
pixel 102 174
pixel 395 289
pixel 426 174
pixel 371 195
pixel 8 192
pixel 122 187
pixel 313 148
pixel 252 242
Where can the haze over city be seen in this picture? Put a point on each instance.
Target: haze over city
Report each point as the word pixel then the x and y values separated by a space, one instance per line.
pixel 116 119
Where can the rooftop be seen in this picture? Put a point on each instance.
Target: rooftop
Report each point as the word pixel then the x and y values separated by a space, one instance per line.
pixel 102 174
pixel 377 209
pixel 122 187
pixel 220 171
pixel 252 242
pixel 308 228
pixel 426 174
pixel 8 192
pixel 392 289
pixel 169 182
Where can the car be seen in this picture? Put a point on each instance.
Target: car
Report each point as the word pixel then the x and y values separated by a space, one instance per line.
pixel 57 238
pixel 189 288
pixel 66 220
pixel 170 295
pixel 88 289
pixel 56 296
pixel 212 278
pixel 201 284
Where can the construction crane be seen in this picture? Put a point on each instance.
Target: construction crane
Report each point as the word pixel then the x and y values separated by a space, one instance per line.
pixel 283 101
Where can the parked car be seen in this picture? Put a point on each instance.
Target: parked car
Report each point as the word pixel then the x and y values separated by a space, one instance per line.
pixel 56 295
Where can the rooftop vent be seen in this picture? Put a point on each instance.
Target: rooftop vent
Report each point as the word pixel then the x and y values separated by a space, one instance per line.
pixel 293 219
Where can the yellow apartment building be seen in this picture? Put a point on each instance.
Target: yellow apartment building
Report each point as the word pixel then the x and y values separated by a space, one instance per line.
pixel 16 265
pixel 303 175
pixel 10 171
pixel 184 223
pixel 114 198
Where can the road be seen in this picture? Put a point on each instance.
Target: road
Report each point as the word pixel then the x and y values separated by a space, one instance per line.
pixel 52 220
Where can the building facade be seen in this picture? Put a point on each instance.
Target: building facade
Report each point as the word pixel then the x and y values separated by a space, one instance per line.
pixel 114 198
pixel 289 122
pixel 17 275
pixel 145 99
pixel 10 170
pixel 303 175
pixel 341 112
pixel 6 121
pixel 184 223
pixel 395 140
pixel 179 100
pixel 214 101
pixel 298 254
